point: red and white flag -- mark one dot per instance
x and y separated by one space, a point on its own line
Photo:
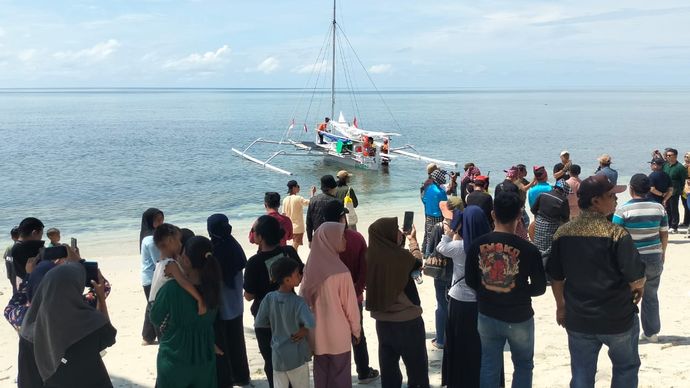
354 122
305 128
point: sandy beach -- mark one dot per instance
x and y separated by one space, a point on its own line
130 364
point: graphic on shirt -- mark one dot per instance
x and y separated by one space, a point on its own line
499 265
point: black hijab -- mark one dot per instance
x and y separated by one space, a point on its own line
226 249
147 223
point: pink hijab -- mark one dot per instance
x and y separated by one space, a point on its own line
324 259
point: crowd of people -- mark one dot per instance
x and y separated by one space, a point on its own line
487 257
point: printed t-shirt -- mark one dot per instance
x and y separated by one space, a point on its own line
285 313
504 260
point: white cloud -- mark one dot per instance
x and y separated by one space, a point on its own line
268 65
380 69
96 53
196 61
26 55
314 67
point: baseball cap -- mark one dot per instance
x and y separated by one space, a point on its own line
455 202
597 185
328 182
565 152
539 171
640 184
343 174
658 161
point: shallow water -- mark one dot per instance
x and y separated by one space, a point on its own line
90 161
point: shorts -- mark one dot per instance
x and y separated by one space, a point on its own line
297 238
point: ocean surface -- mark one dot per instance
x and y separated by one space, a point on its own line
90 161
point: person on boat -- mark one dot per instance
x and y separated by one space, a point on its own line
343 190
385 147
323 127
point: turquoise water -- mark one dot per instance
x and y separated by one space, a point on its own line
93 160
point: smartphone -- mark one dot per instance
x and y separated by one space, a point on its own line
407 223
91 268
73 243
54 253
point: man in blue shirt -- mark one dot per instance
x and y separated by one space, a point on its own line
432 195
605 168
542 185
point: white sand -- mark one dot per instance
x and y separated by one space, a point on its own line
665 364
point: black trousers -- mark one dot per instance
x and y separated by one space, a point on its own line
462 355
672 210
406 340
232 367
360 351
149 332
263 337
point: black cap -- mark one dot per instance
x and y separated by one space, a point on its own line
658 161
333 211
328 182
597 185
640 184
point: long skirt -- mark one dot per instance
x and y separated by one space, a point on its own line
232 367
462 353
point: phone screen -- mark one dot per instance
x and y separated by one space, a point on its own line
407 223
91 272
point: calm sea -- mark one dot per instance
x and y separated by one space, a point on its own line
90 161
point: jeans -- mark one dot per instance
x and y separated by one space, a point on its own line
360 351
672 210
649 314
494 334
404 340
584 351
441 286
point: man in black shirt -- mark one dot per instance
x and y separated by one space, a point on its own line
315 211
661 189
480 197
597 280
506 271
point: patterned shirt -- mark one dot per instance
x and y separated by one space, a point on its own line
644 219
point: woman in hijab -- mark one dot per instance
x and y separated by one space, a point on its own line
186 356
462 354
150 255
329 292
232 366
394 303
67 334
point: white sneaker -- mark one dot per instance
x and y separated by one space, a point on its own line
651 339
673 231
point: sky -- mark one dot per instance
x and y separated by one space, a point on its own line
402 44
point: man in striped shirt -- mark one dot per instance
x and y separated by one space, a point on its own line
647 222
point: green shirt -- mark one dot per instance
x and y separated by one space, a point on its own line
678 174
186 355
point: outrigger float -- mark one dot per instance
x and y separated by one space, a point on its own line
339 141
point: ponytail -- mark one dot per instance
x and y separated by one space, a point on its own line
199 251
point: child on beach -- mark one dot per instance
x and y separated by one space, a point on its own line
289 318
168 240
53 235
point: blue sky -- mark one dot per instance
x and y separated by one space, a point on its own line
421 44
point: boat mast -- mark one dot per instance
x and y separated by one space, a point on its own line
333 69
